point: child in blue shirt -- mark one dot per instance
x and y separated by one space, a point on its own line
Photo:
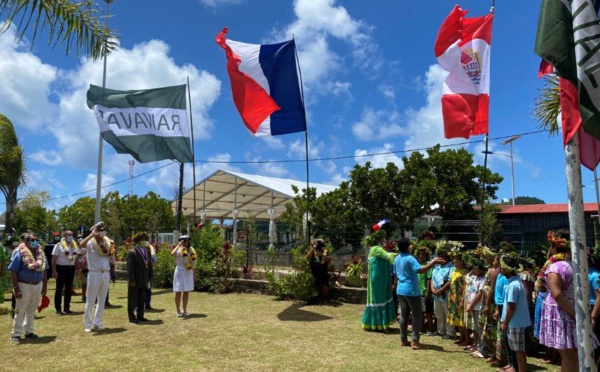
515 313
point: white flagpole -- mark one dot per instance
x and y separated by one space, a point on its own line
100 141
579 256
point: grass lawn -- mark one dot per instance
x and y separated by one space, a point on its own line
232 332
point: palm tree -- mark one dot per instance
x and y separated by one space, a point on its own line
547 105
12 168
73 24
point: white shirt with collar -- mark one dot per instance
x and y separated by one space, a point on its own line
96 262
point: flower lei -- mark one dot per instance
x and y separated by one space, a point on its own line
103 249
38 263
190 257
69 249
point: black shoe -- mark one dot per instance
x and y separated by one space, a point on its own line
31 335
68 312
142 319
149 307
133 321
108 304
59 312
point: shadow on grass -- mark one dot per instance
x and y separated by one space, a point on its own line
436 348
40 340
194 316
295 313
109 331
162 291
113 307
155 311
532 367
152 322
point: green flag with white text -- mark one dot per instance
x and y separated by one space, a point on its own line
568 37
150 124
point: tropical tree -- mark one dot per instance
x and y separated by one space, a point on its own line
12 168
547 105
74 24
445 182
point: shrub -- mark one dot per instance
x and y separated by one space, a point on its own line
354 271
297 285
164 267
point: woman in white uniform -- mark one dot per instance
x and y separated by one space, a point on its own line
185 275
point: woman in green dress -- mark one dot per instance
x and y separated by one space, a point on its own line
380 311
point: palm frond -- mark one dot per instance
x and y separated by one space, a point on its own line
547 105
75 25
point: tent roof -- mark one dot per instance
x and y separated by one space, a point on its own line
224 191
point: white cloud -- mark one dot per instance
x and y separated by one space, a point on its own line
24 85
42 180
90 184
377 124
217 3
381 160
426 126
297 149
316 22
47 157
146 65
387 91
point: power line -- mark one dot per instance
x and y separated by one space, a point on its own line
301 161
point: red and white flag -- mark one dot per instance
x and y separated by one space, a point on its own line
463 49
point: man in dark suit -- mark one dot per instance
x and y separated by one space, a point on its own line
139 270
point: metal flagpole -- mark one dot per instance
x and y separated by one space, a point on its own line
579 256
179 201
306 149
483 183
193 150
100 141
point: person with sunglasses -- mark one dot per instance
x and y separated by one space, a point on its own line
29 279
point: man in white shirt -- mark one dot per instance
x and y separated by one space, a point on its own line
99 256
63 270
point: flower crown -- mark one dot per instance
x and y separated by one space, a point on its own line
555 240
513 255
506 247
374 238
484 252
424 245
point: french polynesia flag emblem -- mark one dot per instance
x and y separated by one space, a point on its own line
379 224
463 49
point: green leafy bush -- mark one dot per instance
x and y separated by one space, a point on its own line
164 267
297 285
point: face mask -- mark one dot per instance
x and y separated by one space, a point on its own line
57 238
15 244
79 240
144 244
8 237
69 239
102 234
33 244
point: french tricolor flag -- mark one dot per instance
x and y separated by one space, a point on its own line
265 86
463 49
379 225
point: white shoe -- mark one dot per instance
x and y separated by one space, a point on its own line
99 327
185 313
179 315
88 329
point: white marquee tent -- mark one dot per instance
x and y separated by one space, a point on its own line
231 195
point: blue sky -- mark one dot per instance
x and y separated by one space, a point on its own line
371 85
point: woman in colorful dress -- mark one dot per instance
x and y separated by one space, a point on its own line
557 320
185 273
380 312
456 297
